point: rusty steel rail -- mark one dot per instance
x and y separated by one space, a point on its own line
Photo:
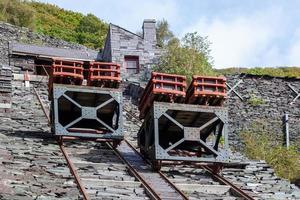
64 152
238 191
141 172
161 174
173 185
148 188
42 105
73 170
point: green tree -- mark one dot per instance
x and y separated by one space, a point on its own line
89 24
90 31
163 33
198 43
188 57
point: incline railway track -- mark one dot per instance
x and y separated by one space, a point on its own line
237 191
157 185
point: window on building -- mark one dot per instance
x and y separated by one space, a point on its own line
132 64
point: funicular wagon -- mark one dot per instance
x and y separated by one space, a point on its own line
86 100
183 126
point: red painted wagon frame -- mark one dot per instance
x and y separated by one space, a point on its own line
104 74
211 89
63 71
156 89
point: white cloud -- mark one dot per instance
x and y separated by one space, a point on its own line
130 14
294 50
244 41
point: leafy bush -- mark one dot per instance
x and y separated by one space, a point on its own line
188 57
89 31
70 26
259 145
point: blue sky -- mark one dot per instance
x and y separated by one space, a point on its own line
246 33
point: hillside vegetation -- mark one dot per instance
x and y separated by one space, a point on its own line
259 146
51 20
277 72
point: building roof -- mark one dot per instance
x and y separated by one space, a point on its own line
119 27
42 51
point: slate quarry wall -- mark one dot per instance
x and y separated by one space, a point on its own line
265 102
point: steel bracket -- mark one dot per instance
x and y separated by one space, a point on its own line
296 92
232 89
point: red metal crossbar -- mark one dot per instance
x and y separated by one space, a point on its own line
207 90
65 72
104 74
162 87
67 69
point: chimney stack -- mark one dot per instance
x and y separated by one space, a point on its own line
149 30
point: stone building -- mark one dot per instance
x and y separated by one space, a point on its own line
33 58
135 53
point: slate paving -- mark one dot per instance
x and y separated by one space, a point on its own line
102 173
33 167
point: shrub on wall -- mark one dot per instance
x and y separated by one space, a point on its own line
262 71
255 101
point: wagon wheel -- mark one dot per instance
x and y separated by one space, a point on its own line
116 143
156 165
217 167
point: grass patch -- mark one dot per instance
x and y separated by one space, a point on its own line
260 146
255 101
291 72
